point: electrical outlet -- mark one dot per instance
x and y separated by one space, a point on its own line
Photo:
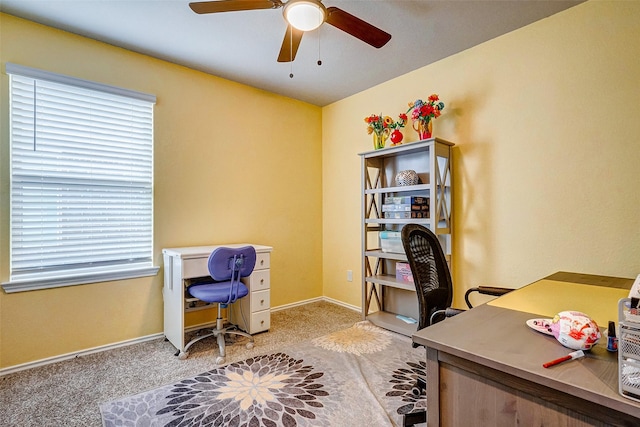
349 275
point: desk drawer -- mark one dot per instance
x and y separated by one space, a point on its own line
260 321
262 261
198 267
259 280
260 300
195 267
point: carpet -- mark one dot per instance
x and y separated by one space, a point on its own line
362 375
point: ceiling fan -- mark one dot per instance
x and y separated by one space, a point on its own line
301 16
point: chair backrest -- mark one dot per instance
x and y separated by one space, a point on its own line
231 263
429 269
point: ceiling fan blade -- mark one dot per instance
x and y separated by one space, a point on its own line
357 27
290 44
232 5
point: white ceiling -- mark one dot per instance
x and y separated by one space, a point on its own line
243 46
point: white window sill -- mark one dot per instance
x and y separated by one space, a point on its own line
37 283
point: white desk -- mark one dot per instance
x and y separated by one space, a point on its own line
182 265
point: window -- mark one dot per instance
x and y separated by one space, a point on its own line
81 181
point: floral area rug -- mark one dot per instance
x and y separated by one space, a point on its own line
361 376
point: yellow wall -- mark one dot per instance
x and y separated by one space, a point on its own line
545 121
232 164
547 155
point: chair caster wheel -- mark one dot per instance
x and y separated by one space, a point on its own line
219 360
249 345
183 355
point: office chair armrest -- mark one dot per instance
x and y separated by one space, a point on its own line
485 290
492 290
447 312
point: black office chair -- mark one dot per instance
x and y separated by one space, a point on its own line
434 288
431 276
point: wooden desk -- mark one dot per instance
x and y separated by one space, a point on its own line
484 366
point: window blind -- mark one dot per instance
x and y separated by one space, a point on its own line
81 180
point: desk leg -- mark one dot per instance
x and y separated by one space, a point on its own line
173 295
433 388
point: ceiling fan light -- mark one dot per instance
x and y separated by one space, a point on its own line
305 15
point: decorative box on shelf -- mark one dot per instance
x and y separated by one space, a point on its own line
404 207
410 200
406 215
403 272
391 245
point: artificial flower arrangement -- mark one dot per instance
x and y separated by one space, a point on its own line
384 126
396 135
422 114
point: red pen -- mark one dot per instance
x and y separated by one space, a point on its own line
575 355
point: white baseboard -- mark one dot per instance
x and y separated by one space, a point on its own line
296 304
312 300
55 359
342 304
60 358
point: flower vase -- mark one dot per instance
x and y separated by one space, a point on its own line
380 139
424 128
396 137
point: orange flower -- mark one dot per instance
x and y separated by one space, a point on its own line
378 123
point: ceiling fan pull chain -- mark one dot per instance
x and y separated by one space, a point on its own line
291 50
319 60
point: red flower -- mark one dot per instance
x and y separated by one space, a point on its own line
426 111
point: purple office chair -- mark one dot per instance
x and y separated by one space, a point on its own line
226 267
